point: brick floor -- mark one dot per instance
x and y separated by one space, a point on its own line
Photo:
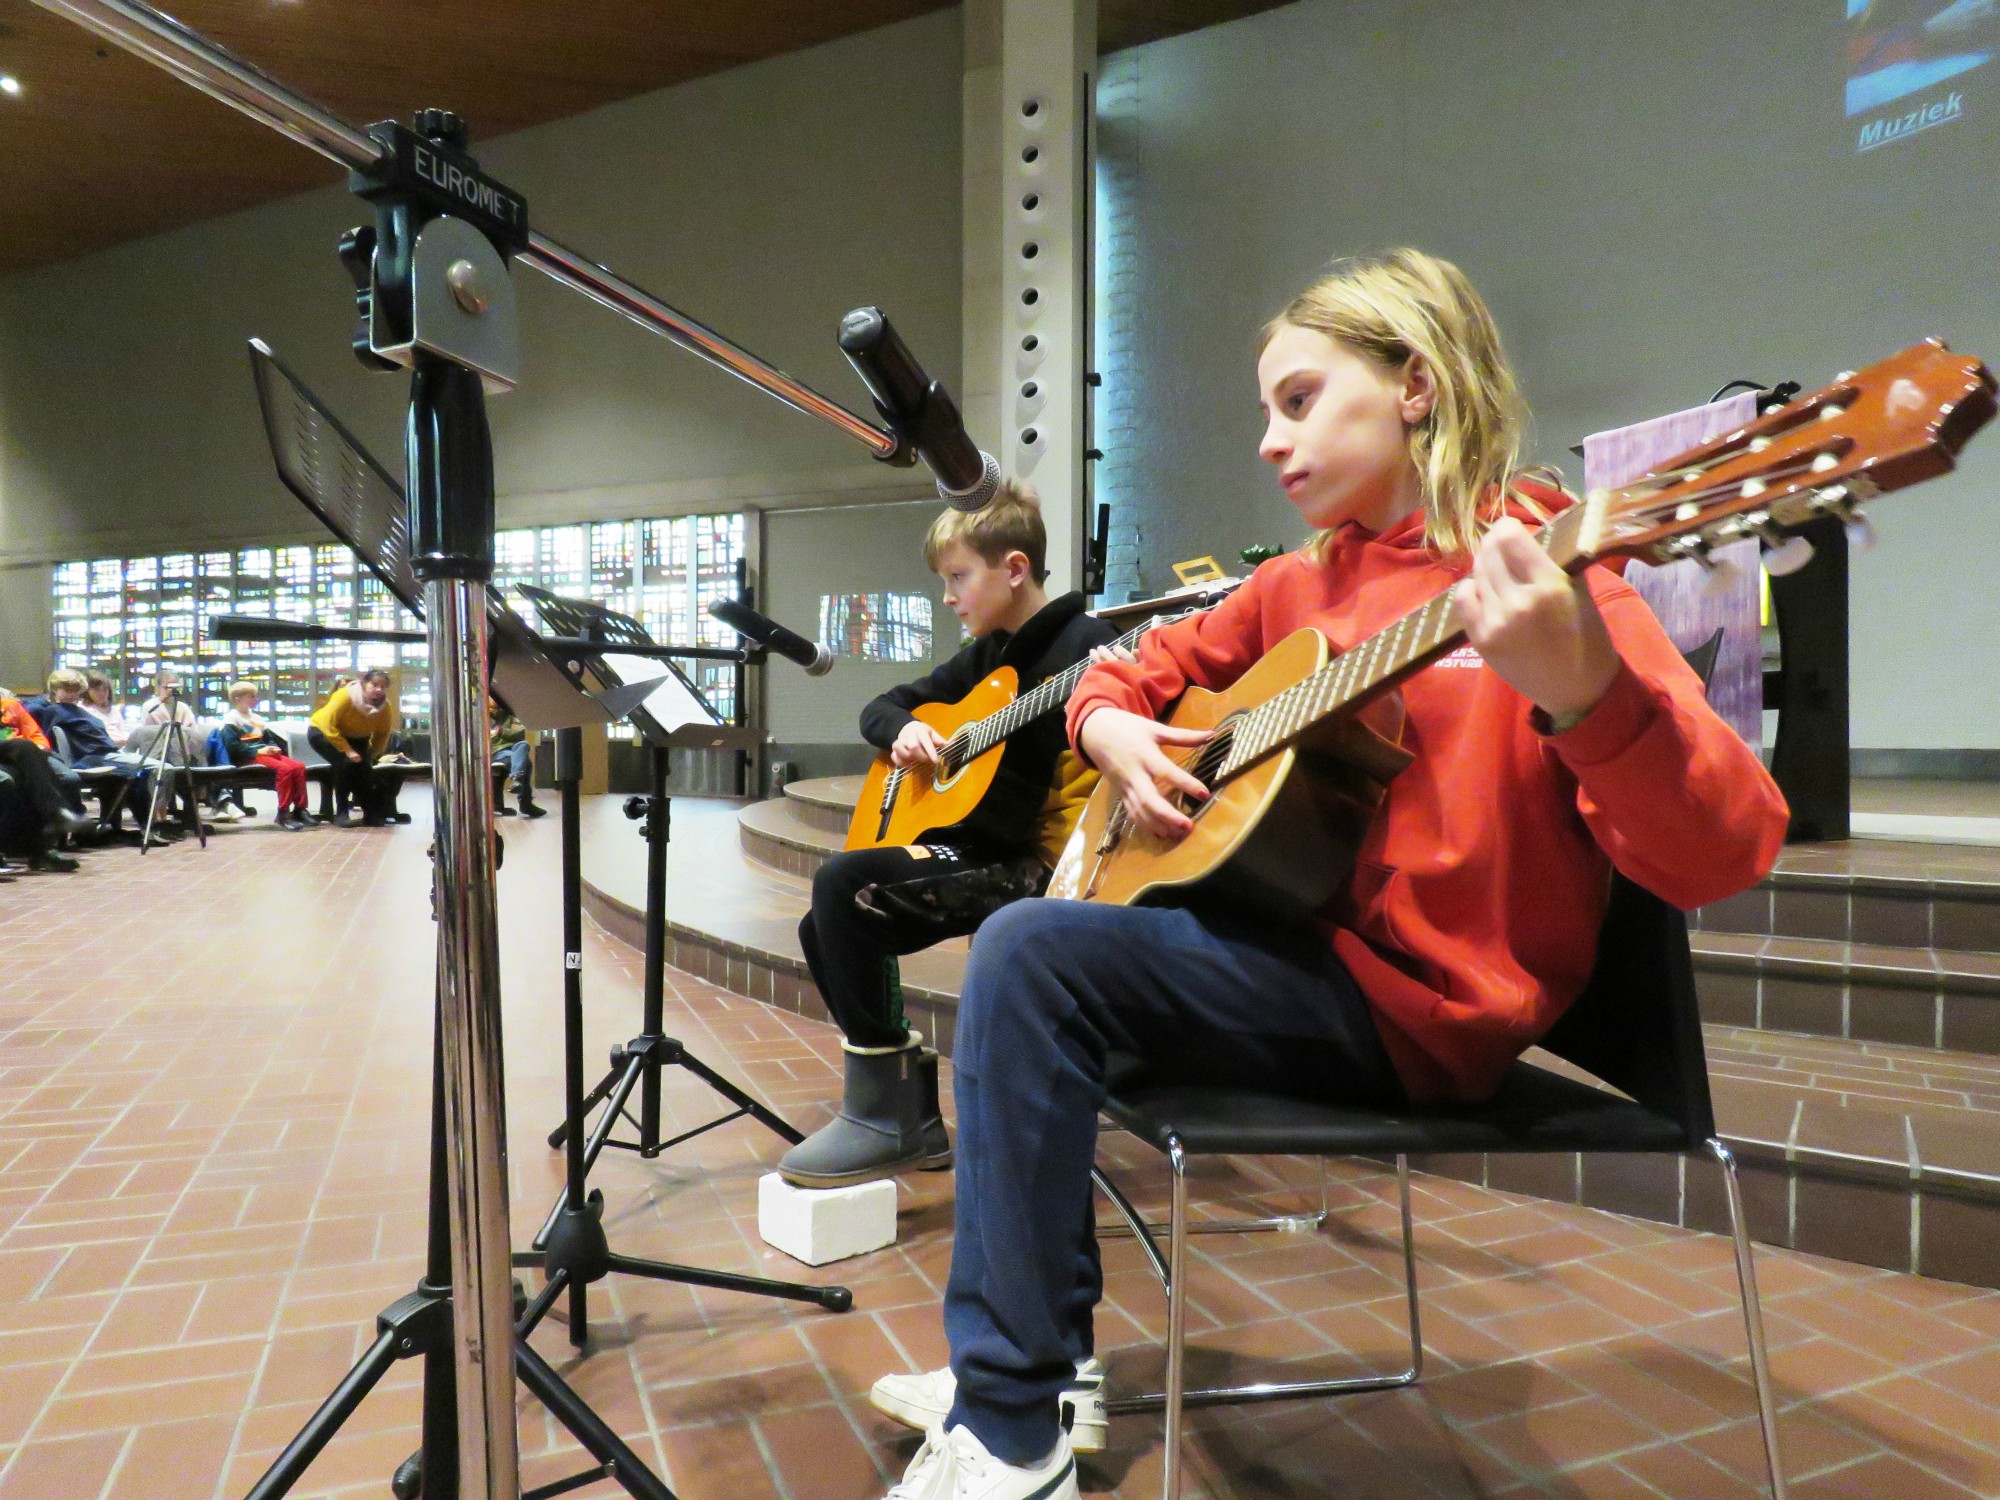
213 1073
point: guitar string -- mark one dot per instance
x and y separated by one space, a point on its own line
1284 714
970 741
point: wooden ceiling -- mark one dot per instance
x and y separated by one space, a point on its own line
100 148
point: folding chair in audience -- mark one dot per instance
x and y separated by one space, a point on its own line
1635 1028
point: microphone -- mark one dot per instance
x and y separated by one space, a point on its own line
767 632
259 628
919 410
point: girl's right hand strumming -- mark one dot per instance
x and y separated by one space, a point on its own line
1129 752
917 745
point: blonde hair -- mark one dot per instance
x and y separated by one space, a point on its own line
238 689
1402 304
1010 522
66 680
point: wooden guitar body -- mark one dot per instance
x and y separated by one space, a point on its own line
899 807
1281 836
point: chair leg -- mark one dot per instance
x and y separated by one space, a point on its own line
1176 1317
1172 1271
1135 1223
1410 1275
1753 1317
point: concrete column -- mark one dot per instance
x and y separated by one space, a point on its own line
979 227
1029 73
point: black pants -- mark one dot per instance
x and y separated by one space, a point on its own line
355 784
35 779
852 954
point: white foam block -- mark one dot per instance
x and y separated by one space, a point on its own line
817 1225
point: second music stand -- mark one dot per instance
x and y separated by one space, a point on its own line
669 715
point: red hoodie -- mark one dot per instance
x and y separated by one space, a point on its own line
1472 919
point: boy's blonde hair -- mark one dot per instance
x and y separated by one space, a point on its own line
1010 522
238 689
66 680
1392 306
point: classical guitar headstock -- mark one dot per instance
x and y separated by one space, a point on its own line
1893 424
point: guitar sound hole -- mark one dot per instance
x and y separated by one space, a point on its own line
1206 766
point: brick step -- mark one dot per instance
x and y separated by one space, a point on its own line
782 834
1867 1152
825 801
1863 992
1875 892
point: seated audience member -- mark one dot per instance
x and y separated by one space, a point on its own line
61 707
97 702
512 749
26 719
16 720
168 706
251 741
351 732
24 755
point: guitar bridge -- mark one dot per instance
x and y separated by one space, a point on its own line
889 790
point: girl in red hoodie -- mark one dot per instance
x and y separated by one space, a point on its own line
1566 739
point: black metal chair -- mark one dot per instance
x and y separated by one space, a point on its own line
1635 1027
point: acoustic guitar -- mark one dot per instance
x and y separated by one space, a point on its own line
900 806
1304 744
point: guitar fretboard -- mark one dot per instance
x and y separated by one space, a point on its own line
1425 632
976 738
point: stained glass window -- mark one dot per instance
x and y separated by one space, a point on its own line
128 617
877 627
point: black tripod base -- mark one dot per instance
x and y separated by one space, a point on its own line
571 1249
420 1325
630 1065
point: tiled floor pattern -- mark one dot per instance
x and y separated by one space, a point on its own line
212 1119
1857 1072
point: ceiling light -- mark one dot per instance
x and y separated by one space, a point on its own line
10 85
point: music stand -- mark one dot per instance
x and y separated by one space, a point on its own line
671 716
352 495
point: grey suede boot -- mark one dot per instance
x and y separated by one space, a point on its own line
937 1144
879 1131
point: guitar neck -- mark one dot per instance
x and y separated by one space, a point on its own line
1384 658
1420 636
976 738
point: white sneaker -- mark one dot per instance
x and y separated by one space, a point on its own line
956 1466
923 1402
227 812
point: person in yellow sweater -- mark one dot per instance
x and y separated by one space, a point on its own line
351 732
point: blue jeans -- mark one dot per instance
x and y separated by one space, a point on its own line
518 758
1053 988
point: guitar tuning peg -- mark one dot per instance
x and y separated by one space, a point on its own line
1788 556
1860 533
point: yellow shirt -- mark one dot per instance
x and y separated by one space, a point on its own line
341 720
1075 780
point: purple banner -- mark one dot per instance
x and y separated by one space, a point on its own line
1692 603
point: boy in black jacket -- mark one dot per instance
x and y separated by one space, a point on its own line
992 564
